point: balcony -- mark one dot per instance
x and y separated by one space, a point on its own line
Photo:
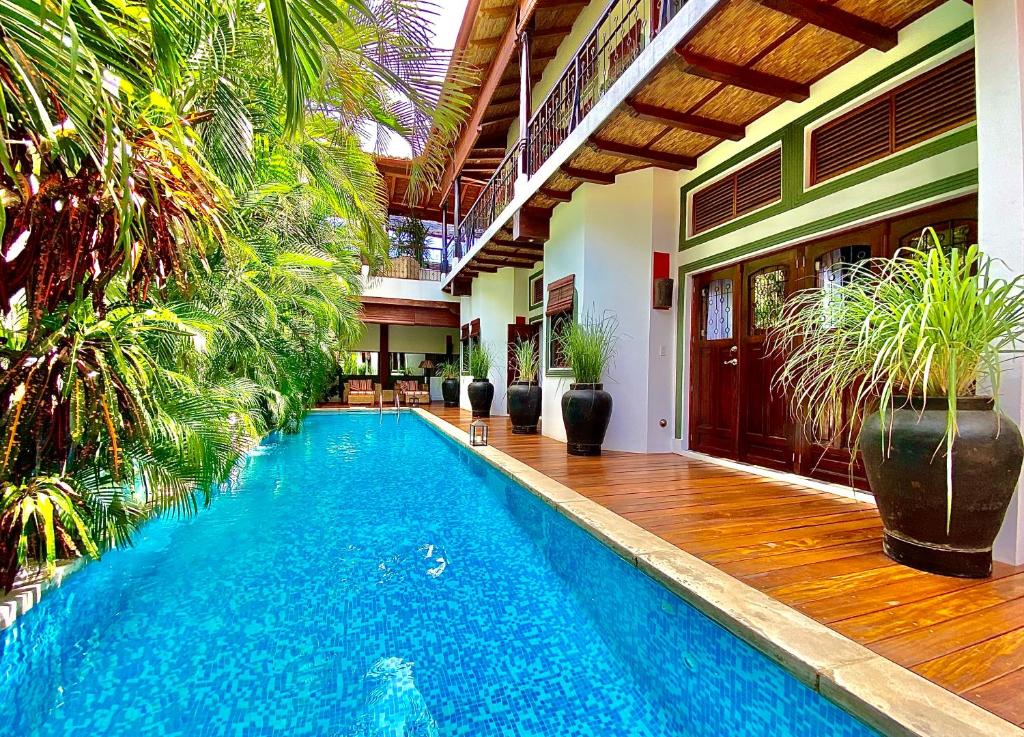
425 265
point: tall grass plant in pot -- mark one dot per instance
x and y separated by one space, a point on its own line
450 385
588 346
901 359
481 390
524 395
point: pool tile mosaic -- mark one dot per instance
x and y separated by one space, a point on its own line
369 578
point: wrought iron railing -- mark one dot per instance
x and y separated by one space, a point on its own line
493 198
625 29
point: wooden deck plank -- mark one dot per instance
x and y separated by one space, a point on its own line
817 552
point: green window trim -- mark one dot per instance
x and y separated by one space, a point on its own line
550 370
539 274
792 139
952 186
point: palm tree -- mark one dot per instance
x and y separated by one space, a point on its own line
184 220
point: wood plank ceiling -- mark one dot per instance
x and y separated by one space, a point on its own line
746 58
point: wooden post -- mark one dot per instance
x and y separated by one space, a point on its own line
383 357
525 100
458 216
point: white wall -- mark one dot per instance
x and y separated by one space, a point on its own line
496 301
404 288
420 339
606 236
999 27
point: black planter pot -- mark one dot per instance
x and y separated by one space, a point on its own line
524 406
586 412
909 483
481 394
450 392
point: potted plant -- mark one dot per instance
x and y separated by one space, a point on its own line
588 347
481 390
904 345
524 395
449 373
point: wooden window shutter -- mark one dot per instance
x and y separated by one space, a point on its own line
474 328
938 101
760 183
465 331
561 295
925 106
755 185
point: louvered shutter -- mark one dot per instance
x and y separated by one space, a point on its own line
755 185
925 106
941 100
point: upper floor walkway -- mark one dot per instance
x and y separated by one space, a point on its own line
630 84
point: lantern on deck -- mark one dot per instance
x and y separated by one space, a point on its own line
478 433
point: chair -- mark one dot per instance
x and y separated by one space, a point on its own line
361 391
411 391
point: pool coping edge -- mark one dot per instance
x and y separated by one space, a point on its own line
883 694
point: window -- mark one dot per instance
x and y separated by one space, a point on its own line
561 302
749 188
767 298
470 340
926 106
536 290
951 234
835 269
716 310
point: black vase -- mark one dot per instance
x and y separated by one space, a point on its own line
481 394
908 479
450 392
586 412
524 406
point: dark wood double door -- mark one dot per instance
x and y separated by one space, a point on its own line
735 412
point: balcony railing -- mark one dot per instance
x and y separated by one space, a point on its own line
428 266
625 29
493 198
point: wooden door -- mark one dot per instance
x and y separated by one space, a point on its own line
714 402
766 435
826 264
516 333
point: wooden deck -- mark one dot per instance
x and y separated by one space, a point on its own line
817 552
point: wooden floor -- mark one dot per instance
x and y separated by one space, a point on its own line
817 552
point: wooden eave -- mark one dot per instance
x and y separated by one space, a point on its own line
746 58
424 313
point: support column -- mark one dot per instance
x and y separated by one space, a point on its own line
383 358
458 216
999 56
525 101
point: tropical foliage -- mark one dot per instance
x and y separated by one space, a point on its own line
449 370
929 323
480 362
525 360
589 346
185 218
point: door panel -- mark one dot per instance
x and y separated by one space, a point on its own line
765 431
828 264
713 389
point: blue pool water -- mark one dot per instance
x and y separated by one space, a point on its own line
369 578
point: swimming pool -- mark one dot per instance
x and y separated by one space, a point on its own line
369 578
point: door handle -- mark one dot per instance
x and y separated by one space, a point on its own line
733 349
731 362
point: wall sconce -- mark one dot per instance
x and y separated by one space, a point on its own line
663 293
478 433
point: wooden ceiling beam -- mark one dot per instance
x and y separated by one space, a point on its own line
685 121
837 21
497 11
588 175
555 194
645 155
498 151
500 261
517 245
552 32
737 76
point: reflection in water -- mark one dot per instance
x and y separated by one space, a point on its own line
393 706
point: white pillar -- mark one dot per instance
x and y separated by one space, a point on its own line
999 39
